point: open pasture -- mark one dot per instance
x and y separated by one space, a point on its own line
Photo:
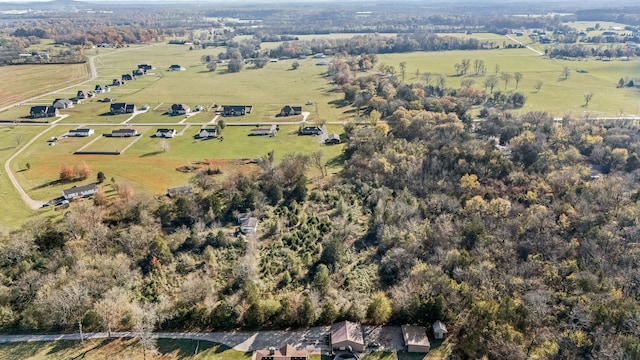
557 95
100 142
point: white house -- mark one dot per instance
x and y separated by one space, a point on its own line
80 132
80 191
166 133
270 131
207 133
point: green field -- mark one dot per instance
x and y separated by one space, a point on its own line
119 349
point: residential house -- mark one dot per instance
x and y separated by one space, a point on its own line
236 110
415 338
319 56
118 82
80 132
80 191
205 133
145 67
124 132
84 94
178 109
139 72
347 335
176 67
43 112
291 110
310 130
332 139
270 131
439 330
130 108
322 63
179 190
166 133
118 108
250 225
128 77
62 103
287 352
99 89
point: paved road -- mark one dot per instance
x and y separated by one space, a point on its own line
527 46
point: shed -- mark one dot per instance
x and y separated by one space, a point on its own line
439 330
415 338
250 225
347 335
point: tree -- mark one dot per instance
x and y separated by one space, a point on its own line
321 279
403 69
306 313
566 72
66 173
28 166
587 98
506 77
295 65
259 63
163 144
467 83
146 318
235 65
379 310
497 69
517 77
537 85
101 177
212 65
112 308
490 82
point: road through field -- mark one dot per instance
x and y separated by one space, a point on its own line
527 46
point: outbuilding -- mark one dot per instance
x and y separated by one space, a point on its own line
415 338
347 335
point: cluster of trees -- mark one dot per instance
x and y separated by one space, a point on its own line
583 51
70 173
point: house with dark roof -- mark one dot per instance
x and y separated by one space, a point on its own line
205 133
178 109
288 110
265 131
43 112
250 225
166 133
62 103
124 132
118 82
176 67
347 335
139 72
415 338
145 67
128 77
99 89
287 352
84 94
332 139
80 191
122 108
236 110
310 130
81 132
130 108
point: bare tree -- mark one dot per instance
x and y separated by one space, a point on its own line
538 85
506 77
490 82
403 69
517 77
566 72
164 145
146 318
427 78
587 98
112 308
316 157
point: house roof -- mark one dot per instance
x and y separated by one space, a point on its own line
124 131
415 335
165 130
117 106
81 130
178 107
250 222
346 331
79 189
209 130
287 352
186 189
63 100
438 326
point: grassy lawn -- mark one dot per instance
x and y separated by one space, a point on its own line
380 355
119 349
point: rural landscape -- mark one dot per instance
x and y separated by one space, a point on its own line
320 180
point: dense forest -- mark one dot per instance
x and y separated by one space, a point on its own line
520 232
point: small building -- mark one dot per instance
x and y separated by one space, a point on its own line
139 72
270 131
287 352
81 132
43 112
310 130
145 67
166 133
439 330
100 89
178 109
205 133
84 94
118 108
236 110
179 190
128 77
130 108
62 103
347 335
118 82
176 67
322 63
319 56
291 110
80 191
415 338
124 132
250 225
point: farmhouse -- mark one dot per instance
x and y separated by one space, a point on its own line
80 132
80 191
236 110
178 109
179 190
124 133
84 94
176 67
166 133
439 330
43 111
250 225
291 110
99 89
286 352
347 335
310 130
207 133
270 131
128 77
62 103
415 338
118 108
